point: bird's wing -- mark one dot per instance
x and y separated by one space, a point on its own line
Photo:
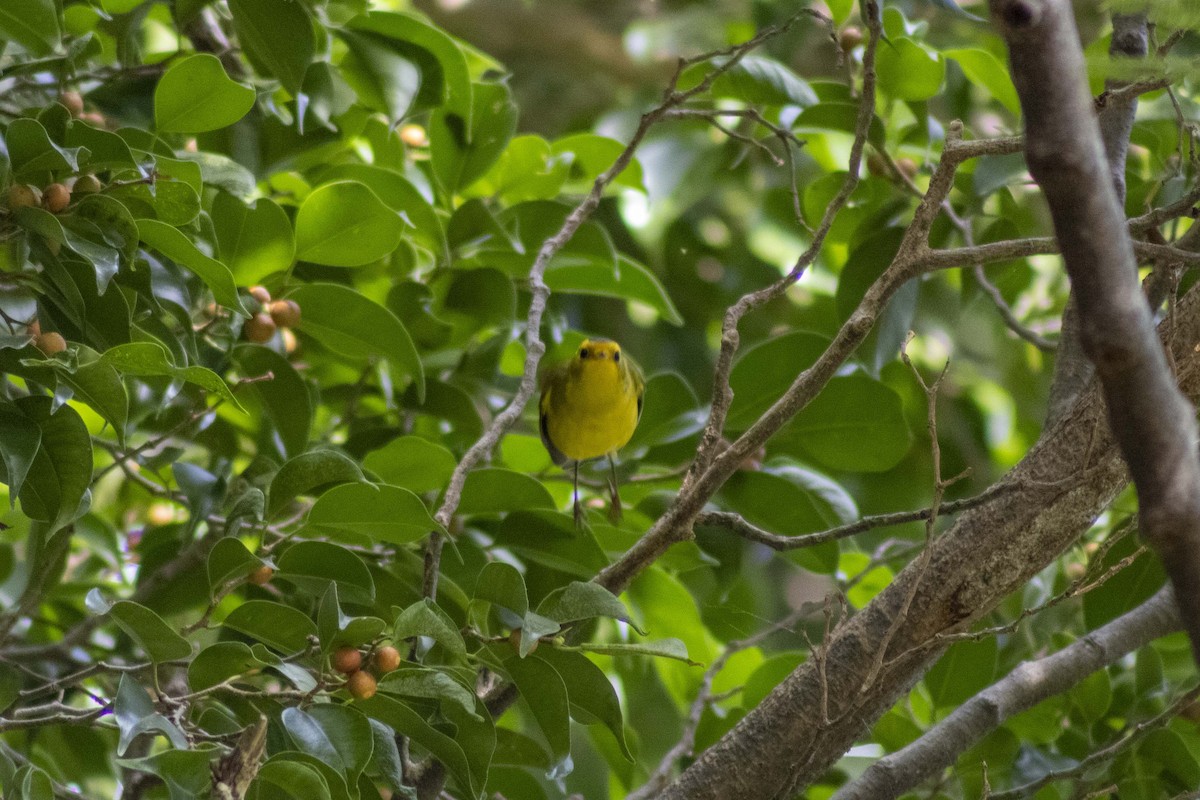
548 381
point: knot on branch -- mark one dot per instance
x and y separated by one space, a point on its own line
1018 13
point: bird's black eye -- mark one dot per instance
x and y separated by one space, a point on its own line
616 357
583 352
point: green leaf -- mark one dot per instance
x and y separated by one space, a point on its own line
135 715
151 358
590 692
984 69
966 668
446 84
502 584
584 600
173 244
907 72
106 260
309 736
219 662
278 626
671 412
1128 588
293 778
31 151
195 95
545 693
551 539
156 637
426 618
275 36
399 194
185 773
760 80
526 170
310 471
385 77
255 239
32 23
631 281
765 371
673 649
417 464
313 565
855 424
284 397
837 116
404 720
791 501
344 224
493 490
430 684
376 512
229 559
56 484
590 155
20 440
338 735
350 324
464 148
98 384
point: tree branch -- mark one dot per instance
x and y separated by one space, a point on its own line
1153 423
1022 689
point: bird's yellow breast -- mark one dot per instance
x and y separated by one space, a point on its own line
593 412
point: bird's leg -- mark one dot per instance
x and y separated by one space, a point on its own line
614 506
578 509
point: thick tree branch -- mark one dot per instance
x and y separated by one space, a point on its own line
1154 425
1118 107
1022 689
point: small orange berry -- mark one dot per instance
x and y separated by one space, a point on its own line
261 576
361 685
50 343
260 294
286 313
386 659
346 659
259 328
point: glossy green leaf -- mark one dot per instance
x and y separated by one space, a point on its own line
348 323
430 684
966 668
375 512
55 489
174 245
760 80
150 359
417 464
841 117
219 662
284 398
229 559
590 693
855 424
672 649
33 23
31 151
404 720
907 71
764 372
135 715
984 69
464 148
255 239
281 627
447 82
399 194
386 78
631 281
580 600
426 618
314 564
590 155
1125 590
276 36
293 778
20 440
310 471
545 693
502 584
195 95
159 640
344 224
494 490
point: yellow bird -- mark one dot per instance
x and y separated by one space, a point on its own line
589 408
